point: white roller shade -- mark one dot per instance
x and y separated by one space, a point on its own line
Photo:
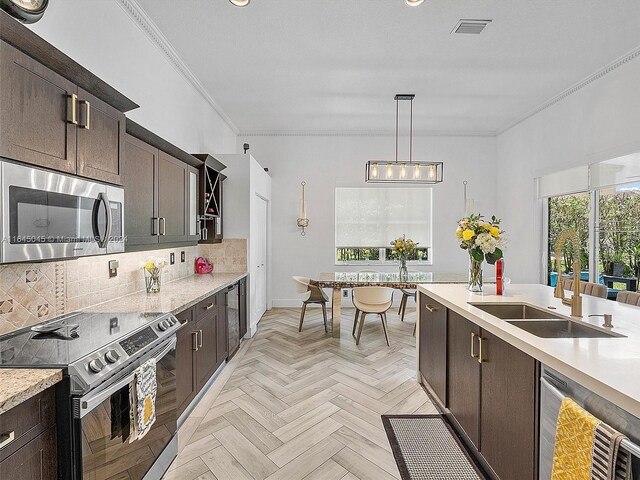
373 216
617 171
573 180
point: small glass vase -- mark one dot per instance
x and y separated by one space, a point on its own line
475 275
404 273
152 280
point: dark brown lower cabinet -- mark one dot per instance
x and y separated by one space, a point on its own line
464 375
186 381
433 345
207 353
508 439
32 452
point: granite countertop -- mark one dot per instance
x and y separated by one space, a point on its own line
609 366
173 297
20 384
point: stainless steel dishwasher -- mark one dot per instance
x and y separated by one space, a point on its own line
554 387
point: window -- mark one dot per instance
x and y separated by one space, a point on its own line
369 218
605 214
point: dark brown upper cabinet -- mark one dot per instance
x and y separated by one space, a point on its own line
100 140
159 196
50 122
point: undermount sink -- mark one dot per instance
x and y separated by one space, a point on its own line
542 322
515 311
561 329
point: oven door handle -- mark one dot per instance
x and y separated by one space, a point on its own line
92 400
102 197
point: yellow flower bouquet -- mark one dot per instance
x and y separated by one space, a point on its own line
152 272
402 248
484 241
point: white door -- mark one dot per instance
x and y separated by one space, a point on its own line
261 257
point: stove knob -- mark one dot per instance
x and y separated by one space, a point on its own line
163 325
96 365
111 356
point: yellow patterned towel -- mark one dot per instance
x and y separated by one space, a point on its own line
575 436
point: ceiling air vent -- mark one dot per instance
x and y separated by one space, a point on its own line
474 27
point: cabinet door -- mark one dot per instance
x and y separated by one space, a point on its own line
242 306
193 223
139 167
218 221
508 420
38 459
223 340
464 374
433 345
100 138
187 343
173 199
207 354
36 113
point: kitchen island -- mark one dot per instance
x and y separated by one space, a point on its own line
480 357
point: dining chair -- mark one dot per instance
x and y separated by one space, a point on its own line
357 313
312 294
629 298
368 300
586 288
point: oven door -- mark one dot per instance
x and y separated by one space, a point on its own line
47 215
104 444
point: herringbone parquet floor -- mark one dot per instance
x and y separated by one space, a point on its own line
304 405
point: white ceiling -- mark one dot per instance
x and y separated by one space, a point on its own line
334 65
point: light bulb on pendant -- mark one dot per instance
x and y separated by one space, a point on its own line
403 170
374 170
389 170
416 172
432 172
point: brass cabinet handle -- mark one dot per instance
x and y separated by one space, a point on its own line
72 111
473 337
210 306
480 360
163 226
431 308
194 344
85 114
7 438
200 345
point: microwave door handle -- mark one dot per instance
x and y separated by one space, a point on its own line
92 400
102 197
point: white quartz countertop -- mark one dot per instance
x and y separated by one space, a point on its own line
173 297
608 366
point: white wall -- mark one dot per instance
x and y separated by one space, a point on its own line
325 162
102 37
598 122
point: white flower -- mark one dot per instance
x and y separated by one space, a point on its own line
486 242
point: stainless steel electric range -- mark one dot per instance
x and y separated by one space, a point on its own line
98 353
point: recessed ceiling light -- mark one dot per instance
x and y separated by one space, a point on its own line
413 3
240 3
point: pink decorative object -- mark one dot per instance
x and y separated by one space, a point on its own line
203 266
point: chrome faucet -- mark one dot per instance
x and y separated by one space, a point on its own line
576 300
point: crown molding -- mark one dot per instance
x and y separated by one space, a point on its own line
633 54
362 133
144 22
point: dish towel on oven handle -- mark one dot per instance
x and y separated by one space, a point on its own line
144 388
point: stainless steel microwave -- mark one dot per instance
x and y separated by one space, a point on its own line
47 215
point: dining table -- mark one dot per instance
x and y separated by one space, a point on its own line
337 281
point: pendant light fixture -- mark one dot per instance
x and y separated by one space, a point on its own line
404 171
240 3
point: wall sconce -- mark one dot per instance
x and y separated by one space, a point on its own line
303 221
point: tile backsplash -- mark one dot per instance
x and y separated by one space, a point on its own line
34 292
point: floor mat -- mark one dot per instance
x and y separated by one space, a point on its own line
426 448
